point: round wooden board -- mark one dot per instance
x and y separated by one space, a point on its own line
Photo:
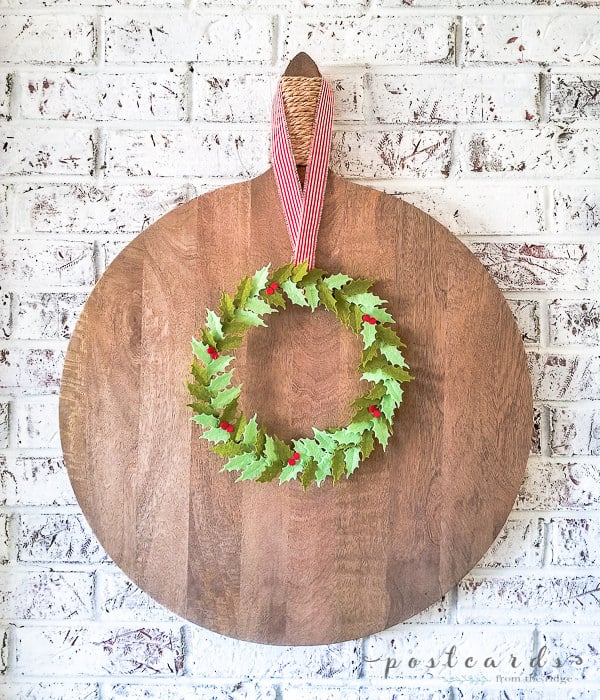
271 563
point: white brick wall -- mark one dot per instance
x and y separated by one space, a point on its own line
484 113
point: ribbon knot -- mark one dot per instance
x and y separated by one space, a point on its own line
302 206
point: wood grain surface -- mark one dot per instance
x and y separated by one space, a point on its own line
271 563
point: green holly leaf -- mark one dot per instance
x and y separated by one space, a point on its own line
281 274
356 322
208 338
381 430
259 306
359 426
308 473
202 407
214 324
326 296
242 292
367 301
394 389
241 461
357 286
277 299
294 293
370 398
368 333
199 391
236 327
312 296
381 315
344 436
393 355
387 406
259 280
270 473
324 440
199 373
352 459
219 365
206 421
200 350
271 450
312 277
226 307
309 448
336 281
387 336
343 310
229 449
239 428
397 373
253 470
216 435
290 472
231 342
259 445
229 412
377 376
251 432
367 444
219 383
338 464
300 271
323 469
226 397
249 318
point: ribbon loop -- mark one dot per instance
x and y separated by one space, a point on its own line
302 206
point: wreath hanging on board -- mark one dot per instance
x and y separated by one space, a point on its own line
245 445
334 452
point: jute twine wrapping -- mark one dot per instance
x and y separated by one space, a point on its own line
300 96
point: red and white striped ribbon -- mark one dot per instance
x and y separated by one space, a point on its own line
302 206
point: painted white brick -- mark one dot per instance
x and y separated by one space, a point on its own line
519 543
5 86
450 649
35 481
3 650
529 598
111 249
57 537
573 654
465 96
47 263
95 209
222 97
105 96
549 691
527 316
98 651
3 208
554 485
241 690
385 153
372 39
40 315
434 614
574 96
336 661
371 692
538 38
577 210
565 377
574 322
4 424
171 152
36 370
5 315
576 542
48 691
536 436
48 38
37 595
37 423
45 150
552 267
189 37
547 151
5 523
120 599
482 210
575 430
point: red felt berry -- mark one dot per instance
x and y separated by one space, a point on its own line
211 351
372 320
223 424
366 318
296 456
291 461
372 409
274 285
230 428
215 356
270 290
376 413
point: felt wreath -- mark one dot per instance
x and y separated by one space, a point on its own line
333 452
